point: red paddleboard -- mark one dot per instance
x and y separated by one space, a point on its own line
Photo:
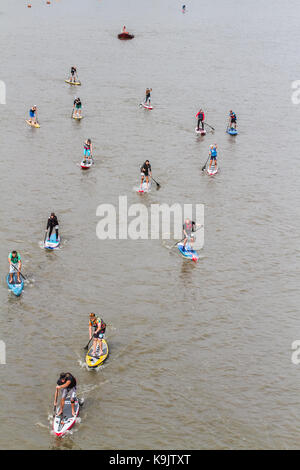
147 106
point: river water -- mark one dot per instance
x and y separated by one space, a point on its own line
200 354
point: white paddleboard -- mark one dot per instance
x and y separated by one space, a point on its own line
200 131
62 424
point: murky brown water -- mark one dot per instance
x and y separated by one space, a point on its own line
200 354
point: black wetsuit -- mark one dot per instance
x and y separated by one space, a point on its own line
51 224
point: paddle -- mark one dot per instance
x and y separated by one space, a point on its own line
19 272
46 231
55 403
87 346
204 166
184 238
209 126
157 184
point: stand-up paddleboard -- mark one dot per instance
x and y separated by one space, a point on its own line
52 243
231 131
143 188
213 170
62 424
86 164
125 36
73 83
200 131
16 287
77 117
32 124
93 361
188 252
147 106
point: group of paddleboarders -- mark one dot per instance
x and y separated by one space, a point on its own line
67 383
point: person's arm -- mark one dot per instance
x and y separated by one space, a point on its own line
90 330
58 387
9 258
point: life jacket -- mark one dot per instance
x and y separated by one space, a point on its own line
102 323
87 146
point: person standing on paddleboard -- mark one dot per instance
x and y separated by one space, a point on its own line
188 227
73 77
146 172
232 119
99 331
213 155
77 106
148 96
33 115
200 116
88 150
15 265
52 224
67 383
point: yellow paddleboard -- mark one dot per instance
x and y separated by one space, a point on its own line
72 83
32 124
77 117
97 361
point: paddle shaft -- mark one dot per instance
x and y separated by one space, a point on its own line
209 126
19 272
87 346
204 166
158 185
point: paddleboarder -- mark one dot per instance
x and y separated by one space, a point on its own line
67 384
77 106
73 77
99 331
232 120
124 31
52 223
33 115
148 96
213 153
200 116
88 150
15 265
146 172
188 227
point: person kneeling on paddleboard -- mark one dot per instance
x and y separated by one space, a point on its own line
67 383
77 107
188 227
73 77
33 115
232 119
148 96
200 115
99 331
123 30
52 224
145 173
15 265
213 155
87 150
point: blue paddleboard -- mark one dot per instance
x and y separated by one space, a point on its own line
51 244
231 131
188 253
15 287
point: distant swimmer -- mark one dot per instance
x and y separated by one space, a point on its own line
99 331
148 96
67 385
213 155
15 265
33 115
145 173
77 106
200 116
232 120
88 150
